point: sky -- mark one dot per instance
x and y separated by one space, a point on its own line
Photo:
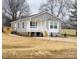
35 5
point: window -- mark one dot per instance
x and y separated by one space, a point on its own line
18 25
33 24
55 25
51 24
22 24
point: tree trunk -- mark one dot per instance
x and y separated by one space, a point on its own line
13 18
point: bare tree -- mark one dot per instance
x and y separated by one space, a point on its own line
58 7
44 7
49 6
52 4
16 8
62 6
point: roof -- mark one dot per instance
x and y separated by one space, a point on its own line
35 15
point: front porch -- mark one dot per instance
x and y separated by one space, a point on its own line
35 34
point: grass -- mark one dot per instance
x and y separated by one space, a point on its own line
70 32
17 47
42 53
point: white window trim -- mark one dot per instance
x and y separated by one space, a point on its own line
23 25
53 24
34 25
18 25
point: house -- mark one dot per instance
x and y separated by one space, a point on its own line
41 24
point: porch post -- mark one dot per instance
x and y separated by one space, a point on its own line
35 34
29 34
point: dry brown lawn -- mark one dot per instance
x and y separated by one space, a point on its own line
71 32
18 47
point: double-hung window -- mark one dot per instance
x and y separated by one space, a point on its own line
53 25
18 25
33 24
22 24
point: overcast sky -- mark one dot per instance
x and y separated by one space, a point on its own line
35 4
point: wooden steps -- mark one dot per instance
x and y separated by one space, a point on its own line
45 33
